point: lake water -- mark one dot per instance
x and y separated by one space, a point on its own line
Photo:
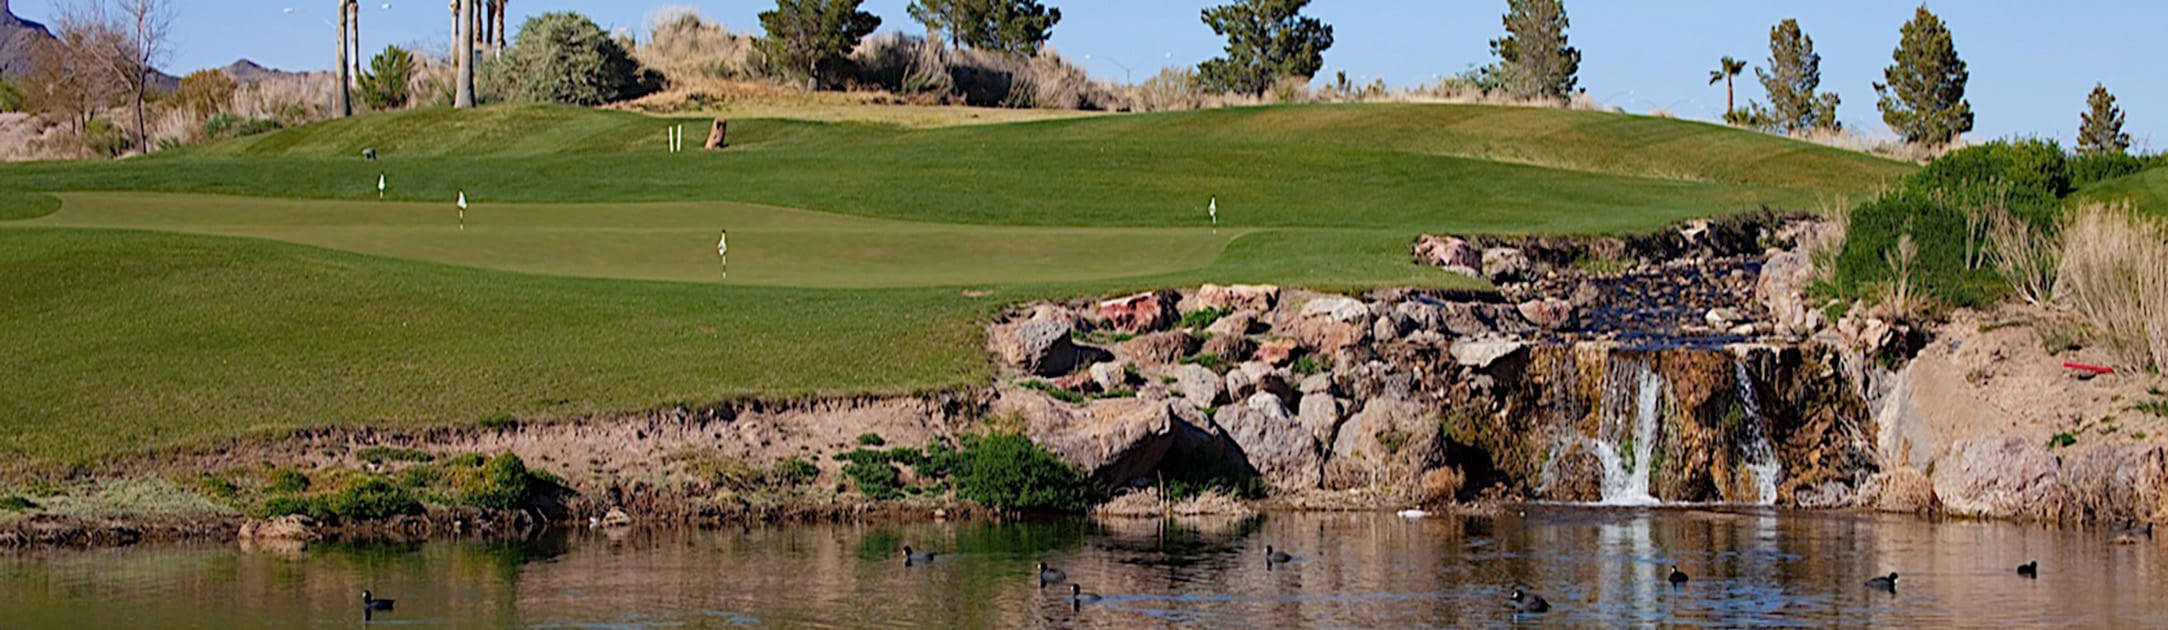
1599 568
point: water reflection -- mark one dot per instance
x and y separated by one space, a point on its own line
1602 568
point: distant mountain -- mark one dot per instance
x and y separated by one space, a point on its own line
246 72
17 35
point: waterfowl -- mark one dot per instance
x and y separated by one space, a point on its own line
1275 556
370 603
1526 602
1051 575
1414 513
2029 569
911 557
1077 594
1677 577
2130 533
1887 583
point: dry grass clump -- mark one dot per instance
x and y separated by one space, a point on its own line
685 47
1892 149
921 70
293 100
2113 274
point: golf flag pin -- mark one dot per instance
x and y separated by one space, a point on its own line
462 211
379 185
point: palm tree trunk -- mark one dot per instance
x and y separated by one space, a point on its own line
463 97
345 95
355 7
1728 95
501 19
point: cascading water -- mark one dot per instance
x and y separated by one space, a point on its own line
1759 455
1626 475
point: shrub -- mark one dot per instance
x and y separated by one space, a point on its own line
1054 391
204 92
217 485
908 65
381 454
223 126
1954 208
683 46
1009 472
796 472
2114 275
1206 360
1305 365
385 86
288 482
504 484
2034 172
871 439
103 138
879 481
565 58
1201 319
2094 168
11 97
499 420
16 503
373 498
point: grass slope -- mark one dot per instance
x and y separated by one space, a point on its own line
2147 190
161 328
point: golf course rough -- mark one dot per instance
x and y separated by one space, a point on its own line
255 287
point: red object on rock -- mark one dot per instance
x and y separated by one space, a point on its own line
2085 367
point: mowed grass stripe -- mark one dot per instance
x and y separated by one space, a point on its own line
671 242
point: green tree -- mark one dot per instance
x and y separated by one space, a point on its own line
1534 58
11 98
1792 78
815 37
1726 69
564 58
1266 41
1014 26
2100 129
1923 93
384 86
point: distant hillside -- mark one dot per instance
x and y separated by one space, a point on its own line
246 72
17 35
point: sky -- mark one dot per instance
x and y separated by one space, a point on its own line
2032 62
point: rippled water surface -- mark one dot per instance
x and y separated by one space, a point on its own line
1599 568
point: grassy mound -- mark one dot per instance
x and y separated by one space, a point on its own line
145 323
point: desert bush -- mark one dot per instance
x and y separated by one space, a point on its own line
102 137
2114 275
1953 205
204 92
371 498
910 65
2034 172
565 58
878 480
2087 169
683 46
503 483
1007 471
225 126
290 101
2026 255
387 83
11 97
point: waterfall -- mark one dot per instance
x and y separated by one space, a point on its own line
1760 456
1626 475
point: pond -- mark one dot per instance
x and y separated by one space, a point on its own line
1597 567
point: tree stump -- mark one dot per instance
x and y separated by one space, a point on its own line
718 138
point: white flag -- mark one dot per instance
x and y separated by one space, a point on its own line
380 183
722 247
462 200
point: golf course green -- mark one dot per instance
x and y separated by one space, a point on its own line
259 286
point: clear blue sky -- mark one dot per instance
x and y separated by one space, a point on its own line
2032 62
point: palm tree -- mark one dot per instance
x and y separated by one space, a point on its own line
496 11
463 54
1727 68
345 94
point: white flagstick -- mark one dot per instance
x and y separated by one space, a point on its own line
722 249
1215 214
462 211
379 186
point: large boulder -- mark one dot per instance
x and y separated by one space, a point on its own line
1143 312
1781 289
1391 442
1199 386
1253 377
1160 348
1278 352
1229 348
1481 354
1111 376
1321 415
1551 314
1235 324
1274 442
1451 253
1039 346
1506 264
1337 309
1241 297
1329 324
1116 441
1998 478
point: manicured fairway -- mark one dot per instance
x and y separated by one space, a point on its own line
258 286
674 242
